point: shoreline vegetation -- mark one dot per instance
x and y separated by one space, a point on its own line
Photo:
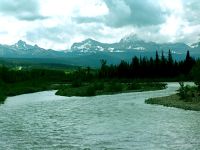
140 74
15 82
77 89
187 98
108 88
175 101
23 88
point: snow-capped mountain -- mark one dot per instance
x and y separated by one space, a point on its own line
23 50
195 48
21 45
89 51
87 46
195 45
127 44
131 39
92 46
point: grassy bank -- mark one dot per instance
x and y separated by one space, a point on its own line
105 88
77 88
176 101
2 98
16 81
2 93
24 88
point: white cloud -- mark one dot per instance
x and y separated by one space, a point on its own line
67 8
57 23
171 26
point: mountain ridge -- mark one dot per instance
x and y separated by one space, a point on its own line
89 51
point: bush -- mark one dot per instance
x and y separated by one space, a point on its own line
183 91
77 83
196 74
90 91
98 86
133 86
2 98
115 87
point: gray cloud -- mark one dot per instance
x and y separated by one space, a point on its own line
87 19
142 17
21 9
52 34
67 34
192 11
129 12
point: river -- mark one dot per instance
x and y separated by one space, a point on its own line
122 121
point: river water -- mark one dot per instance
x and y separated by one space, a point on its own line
123 121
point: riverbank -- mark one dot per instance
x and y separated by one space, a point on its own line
177 102
24 88
107 88
77 89
2 98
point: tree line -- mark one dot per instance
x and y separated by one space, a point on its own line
142 68
159 67
10 76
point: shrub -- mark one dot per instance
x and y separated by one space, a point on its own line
183 91
2 96
133 86
196 74
115 87
98 86
90 91
76 83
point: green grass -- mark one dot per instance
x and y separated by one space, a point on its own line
23 88
191 103
76 89
26 87
2 92
105 88
2 98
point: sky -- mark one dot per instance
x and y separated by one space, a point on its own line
57 24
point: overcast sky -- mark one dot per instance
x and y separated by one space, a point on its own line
57 24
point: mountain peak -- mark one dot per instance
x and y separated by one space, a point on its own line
130 38
36 46
195 45
88 46
21 44
89 40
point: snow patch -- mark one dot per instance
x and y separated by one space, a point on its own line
110 49
195 45
100 48
119 51
140 48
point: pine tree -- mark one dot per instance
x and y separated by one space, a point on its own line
163 58
170 59
134 66
188 63
157 58
188 57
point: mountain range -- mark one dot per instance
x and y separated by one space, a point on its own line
89 52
